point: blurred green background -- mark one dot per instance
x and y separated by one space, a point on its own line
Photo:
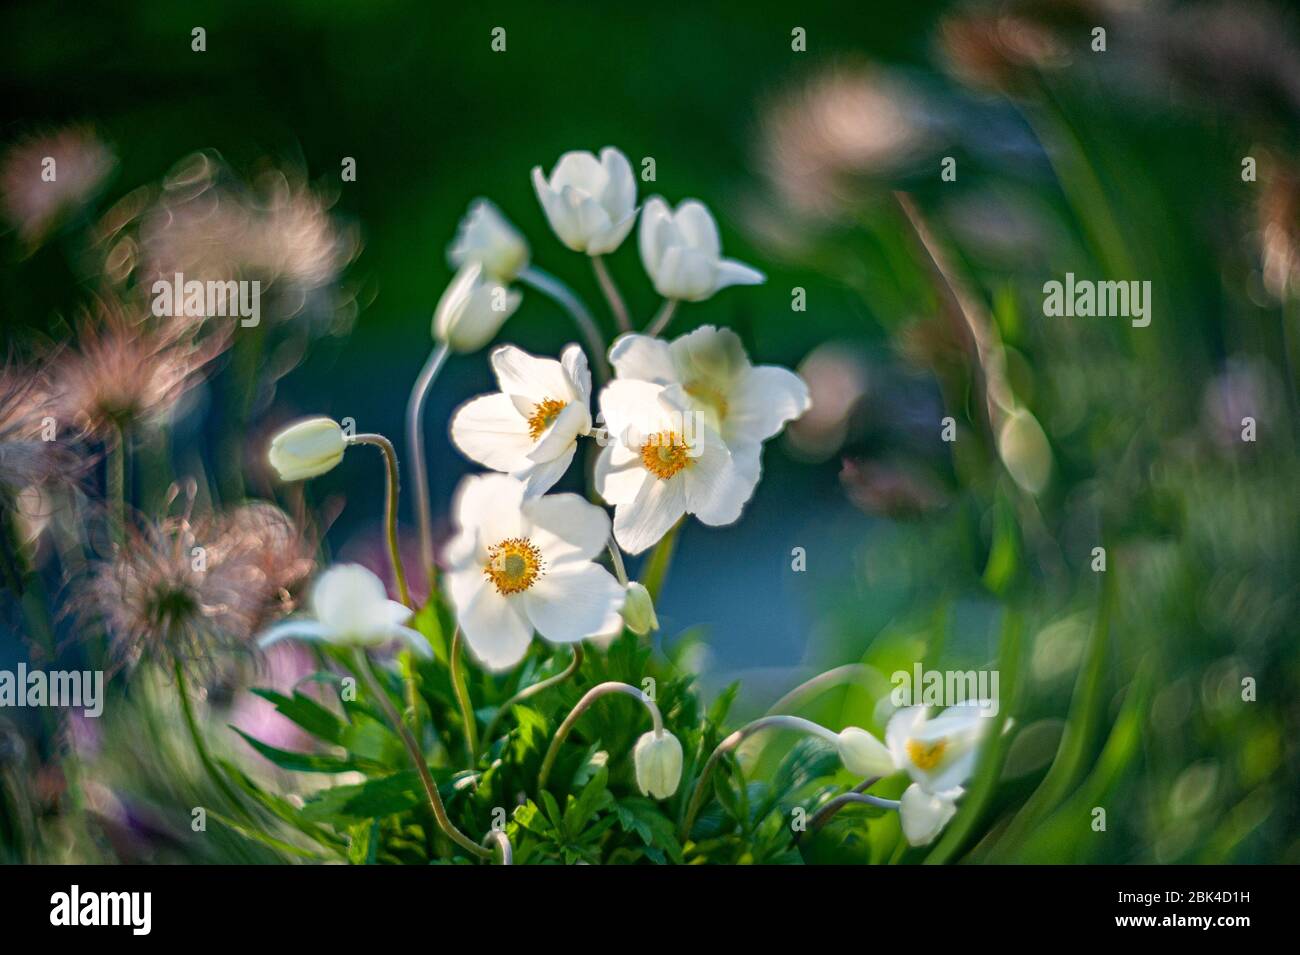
1122 164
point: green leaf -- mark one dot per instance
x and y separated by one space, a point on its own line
300 762
307 713
642 817
591 799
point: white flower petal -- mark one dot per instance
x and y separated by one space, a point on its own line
619 195
716 490
923 815
640 357
763 400
730 272
573 601
620 474
521 374
655 232
293 629
414 639
350 601
698 227
495 627
574 361
687 274
566 528
659 505
581 171
490 430
488 505
540 477
573 420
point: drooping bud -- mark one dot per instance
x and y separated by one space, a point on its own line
639 610
864 755
307 449
473 309
658 759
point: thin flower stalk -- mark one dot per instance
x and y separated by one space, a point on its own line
461 690
200 747
415 448
531 691
505 853
611 293
563 296
796 723
592 695
659 323
362 662
390 509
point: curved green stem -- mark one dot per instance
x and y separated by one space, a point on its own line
855 795
796 723
390 509
563 296
415 449
200 747
362 663
533 690
592 695
616 558
462 697
611 293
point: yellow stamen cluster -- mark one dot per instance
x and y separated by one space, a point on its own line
926 755
543 416
513 565
664 454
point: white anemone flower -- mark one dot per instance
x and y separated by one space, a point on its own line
529 428
682 253
350 608
473 309
746 404
590 202
939 754
517 565
664 461
488 237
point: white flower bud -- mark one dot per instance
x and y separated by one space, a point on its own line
864 755
487 237
473 309
639 610
306 449
658 759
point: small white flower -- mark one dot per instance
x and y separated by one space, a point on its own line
658 761
939 754
487 237
529 428
473 309
639 610
520 565
744 403
864 755
307 448
682 253
923 814
351 608
590 202
662 462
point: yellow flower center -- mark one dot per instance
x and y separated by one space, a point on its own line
664 454
706 394
543 416
513 565
926 755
